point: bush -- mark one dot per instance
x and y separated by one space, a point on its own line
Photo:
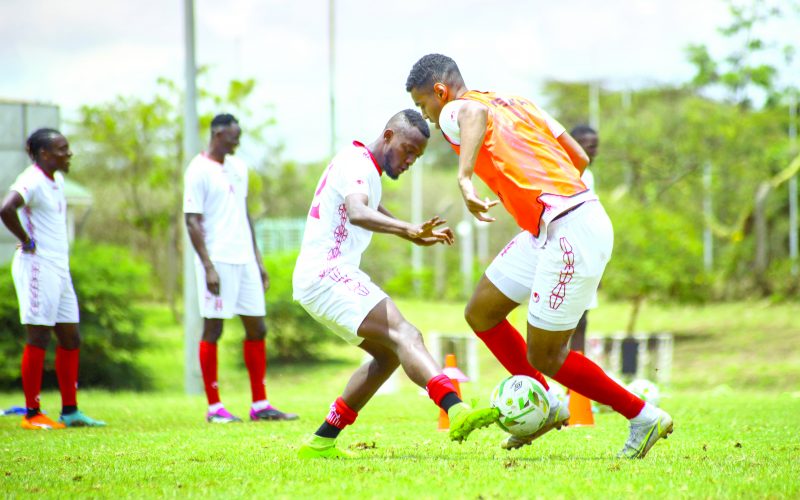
107 280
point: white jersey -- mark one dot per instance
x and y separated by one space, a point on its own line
44 215
219 193
330 240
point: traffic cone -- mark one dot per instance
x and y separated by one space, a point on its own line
580 410
456 375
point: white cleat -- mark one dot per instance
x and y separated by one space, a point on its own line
556 419
644 436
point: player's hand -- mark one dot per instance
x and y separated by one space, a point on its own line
212 280
478 207
444 235
428 230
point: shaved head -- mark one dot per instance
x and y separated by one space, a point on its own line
408 119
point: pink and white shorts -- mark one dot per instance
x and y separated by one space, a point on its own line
45 292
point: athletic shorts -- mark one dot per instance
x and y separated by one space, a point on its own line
341 300
560 279
44 292
241 291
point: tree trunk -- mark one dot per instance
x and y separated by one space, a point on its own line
637 305
762 237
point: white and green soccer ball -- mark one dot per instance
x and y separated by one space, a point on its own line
646 390
523 405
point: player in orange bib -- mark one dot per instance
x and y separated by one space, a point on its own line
534 167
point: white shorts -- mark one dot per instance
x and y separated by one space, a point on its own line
45 292
241 291
341 300
560 279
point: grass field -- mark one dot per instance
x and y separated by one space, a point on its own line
731 439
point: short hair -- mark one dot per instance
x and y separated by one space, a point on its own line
39 140
413 119
223 120
431 69
581 130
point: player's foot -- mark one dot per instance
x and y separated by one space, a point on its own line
321 447
271 413
556 419
464 419
643 436
40 422
221 416
79 419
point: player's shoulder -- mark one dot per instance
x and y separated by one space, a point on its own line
29 176
235 162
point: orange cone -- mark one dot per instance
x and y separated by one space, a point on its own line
580 410
451 370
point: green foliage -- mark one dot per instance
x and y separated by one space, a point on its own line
107 281
293 334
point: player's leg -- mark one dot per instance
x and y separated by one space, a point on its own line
67 361
363 384
578 340
36 339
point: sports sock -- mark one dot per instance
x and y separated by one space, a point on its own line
255 359
442 391
338 418
208 365
260 405
647 415
32 367
583 376
510 349
67 361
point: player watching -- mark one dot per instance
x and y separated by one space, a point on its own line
35 211
328 283
533 166
231 278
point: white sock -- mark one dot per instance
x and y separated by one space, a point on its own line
648 414
552 398
216 406
260 405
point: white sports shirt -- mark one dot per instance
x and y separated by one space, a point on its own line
219 193
44 215
330 240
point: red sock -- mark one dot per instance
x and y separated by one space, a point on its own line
208 365
32 367
510 349
581 375
341 415
439 387
255 358
67 361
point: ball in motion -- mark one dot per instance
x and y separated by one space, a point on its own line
523 405
646 390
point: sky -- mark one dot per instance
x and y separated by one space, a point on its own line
89 51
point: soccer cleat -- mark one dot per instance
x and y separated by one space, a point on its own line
271 413
221 416
556 419
79 419
40 422
321 447
465 419
644 436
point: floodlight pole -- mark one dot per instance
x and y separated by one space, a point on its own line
332 73
192 324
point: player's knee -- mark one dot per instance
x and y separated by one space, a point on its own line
543 360
39 340
409 335
257 332
71 341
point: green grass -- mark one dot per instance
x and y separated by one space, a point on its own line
735 430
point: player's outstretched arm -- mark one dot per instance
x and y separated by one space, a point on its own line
8 212
472 119
361 215
576 153
194 225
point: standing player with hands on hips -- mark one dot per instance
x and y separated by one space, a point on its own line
231 279
35 211
534 167
328 283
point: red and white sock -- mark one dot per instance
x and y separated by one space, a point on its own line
208 366
67 361
255 359
341 415
583 376
32 367
510 349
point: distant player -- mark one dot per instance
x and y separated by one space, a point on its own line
328 283
534 168
35 211
587 137
231 278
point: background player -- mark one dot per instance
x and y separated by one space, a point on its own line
328 283
534 168
35 211
231 278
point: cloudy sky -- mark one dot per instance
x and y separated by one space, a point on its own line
88 51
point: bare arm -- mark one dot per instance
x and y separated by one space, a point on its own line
576 153
381 221
194 224
259 258
472 119
8 212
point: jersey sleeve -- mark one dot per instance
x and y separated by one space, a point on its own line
193 190
448 121
26 186
555 127
353 176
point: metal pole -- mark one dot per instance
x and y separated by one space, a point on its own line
416 218
708 240
793 184
332 72
192 324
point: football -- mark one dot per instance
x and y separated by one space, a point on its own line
523 405
646 390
